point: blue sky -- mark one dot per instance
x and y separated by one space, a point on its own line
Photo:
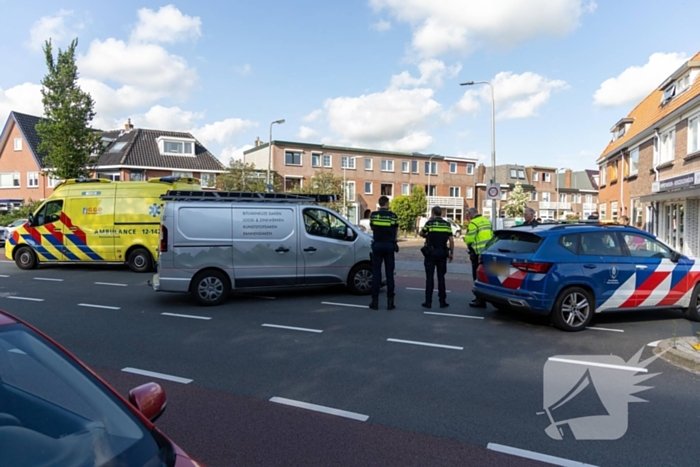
381 74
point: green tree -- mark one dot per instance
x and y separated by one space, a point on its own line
517 202
419 203
66 134
245 177
404 210
324 182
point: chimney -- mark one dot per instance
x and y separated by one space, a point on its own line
257 142
567 178
480 173
128 126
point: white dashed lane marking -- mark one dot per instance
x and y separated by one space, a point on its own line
4 275
291 328
186 316
452 315
104 307
426 344
423 290
536 456
351 305
321 408
114 284
48 279
153 374
634 369
596 328
29 299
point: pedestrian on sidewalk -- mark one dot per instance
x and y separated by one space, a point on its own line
529 216
385 230
479 233
440 248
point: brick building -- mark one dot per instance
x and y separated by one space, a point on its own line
129 154
369 173
650 170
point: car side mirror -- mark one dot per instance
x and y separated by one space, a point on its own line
149 399
675 256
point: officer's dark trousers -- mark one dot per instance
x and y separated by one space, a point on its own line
382 252
436 260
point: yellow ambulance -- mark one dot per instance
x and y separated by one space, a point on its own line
96 220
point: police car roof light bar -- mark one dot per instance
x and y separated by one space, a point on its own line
228 196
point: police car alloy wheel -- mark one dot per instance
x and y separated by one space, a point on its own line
210 288
573 309
693 310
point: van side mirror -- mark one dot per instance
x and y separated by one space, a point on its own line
31 219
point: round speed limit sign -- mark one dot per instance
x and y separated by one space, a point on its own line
493 191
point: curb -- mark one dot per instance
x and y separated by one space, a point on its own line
681 356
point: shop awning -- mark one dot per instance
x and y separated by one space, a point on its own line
669 195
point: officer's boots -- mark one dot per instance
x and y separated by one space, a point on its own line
390 304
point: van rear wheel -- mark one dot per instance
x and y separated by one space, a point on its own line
25 258
210 288
140 260
360 279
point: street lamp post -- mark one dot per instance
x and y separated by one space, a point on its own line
345 183
494 214
269 152
430 171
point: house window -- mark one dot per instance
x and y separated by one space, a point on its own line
368 164
117 147
292 158
455 192
545 197
683 84
470 192
208 180
667 148
612 166
405 189
347 162
470 169
175 174
350 191
52 181
589 199
521 174
176 147
535 177
453 167
634 161
315 160
562 197
431 190
603 214
9 180
613 210
387 165
368 188
693 140
327 160
513 173
431 168
547 177
504 195
386 189
533 196
578 198
404 167
414 167
32 179
18 144
669 92
603 174
291 183
137 176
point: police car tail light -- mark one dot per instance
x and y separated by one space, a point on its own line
527 266
163 239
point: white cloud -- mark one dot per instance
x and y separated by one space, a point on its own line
432 72
223 130
305 133
635 83
51 27
390 118
23 98
413 142
233 153
381 26
167 25
313 116
462 25
243 69
516 95
480 157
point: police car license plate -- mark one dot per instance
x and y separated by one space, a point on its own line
498 269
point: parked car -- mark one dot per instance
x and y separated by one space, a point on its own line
571 271
54 410
456 228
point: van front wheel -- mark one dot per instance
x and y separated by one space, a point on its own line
360 279
140 260
25 258
210 288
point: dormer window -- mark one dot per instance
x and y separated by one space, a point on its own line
170 146
683 84
620 128
669 92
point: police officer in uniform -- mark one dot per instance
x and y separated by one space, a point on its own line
440 245
479 233
385 227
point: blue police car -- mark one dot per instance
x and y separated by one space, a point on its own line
571 271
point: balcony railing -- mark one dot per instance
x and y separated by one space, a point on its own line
446 201
554 205
590 206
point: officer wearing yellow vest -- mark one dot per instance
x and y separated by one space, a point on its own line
440 249
479 233
385 226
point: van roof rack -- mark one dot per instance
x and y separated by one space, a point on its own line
228 196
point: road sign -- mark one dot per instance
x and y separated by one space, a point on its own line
493 191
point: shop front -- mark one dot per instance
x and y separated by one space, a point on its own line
673 212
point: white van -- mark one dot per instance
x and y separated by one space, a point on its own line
215 242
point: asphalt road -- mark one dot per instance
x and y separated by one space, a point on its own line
421 405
